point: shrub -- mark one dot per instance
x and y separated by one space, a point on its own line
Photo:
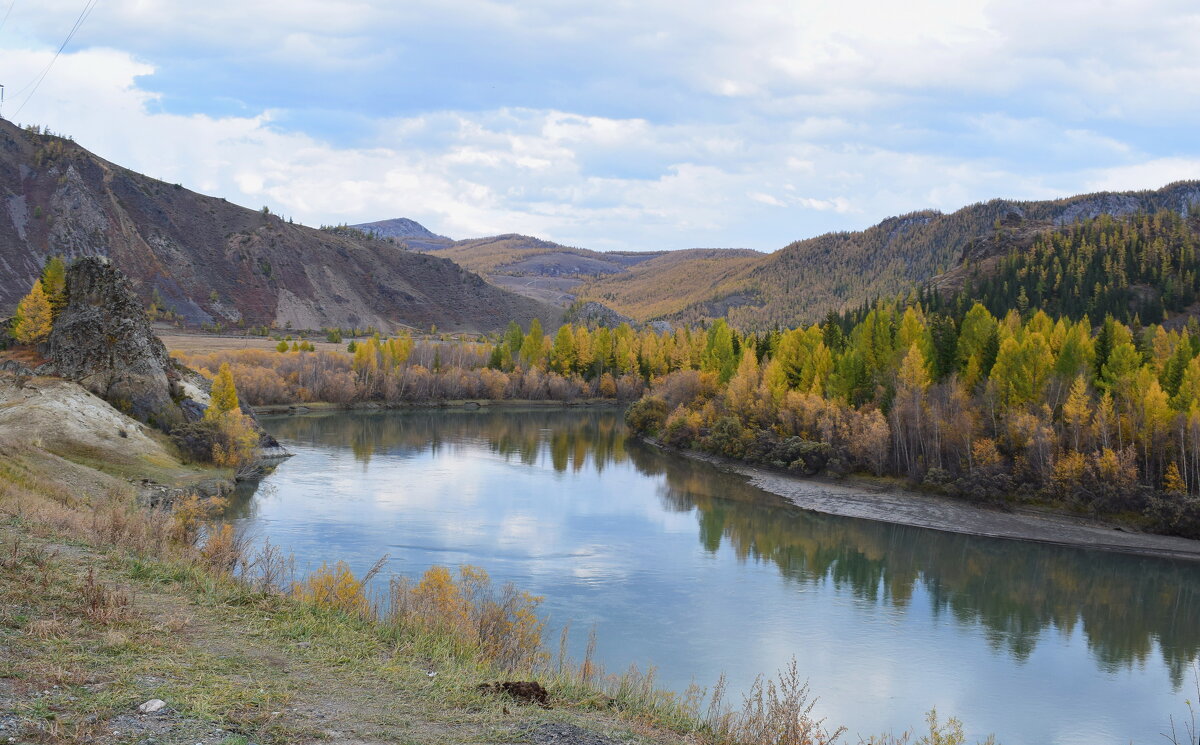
334 588
1175 514
499 623
728 437
647 415
682 428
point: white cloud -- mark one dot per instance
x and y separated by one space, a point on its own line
1147 175
826 116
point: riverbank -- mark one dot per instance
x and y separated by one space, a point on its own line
886 502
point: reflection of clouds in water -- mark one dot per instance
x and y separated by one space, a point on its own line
521 530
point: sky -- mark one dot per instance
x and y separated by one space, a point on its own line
656 124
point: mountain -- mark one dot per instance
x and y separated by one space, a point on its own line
803 281
206 261
399 227
539 269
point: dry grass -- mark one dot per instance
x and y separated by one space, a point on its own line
209 344
48 628
1186 731
103 604
775 712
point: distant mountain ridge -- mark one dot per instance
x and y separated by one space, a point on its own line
206 261
537 268
799 283
803 281
398 227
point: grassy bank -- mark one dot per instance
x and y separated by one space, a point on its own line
107 606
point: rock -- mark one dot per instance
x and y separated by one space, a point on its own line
152 706
16 368
103 341
554 733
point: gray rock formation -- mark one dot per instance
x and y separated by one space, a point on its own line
103 340
593 314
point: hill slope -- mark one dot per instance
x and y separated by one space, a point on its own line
210 261
805 280
538 269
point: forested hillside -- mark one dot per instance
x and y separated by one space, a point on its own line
802 282
1142 267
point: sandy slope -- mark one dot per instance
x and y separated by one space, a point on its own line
65 419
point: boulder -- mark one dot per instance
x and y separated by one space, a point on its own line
102 339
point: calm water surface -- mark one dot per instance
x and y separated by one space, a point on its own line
691 569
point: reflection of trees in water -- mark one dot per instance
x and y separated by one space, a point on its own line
570 437
1014 590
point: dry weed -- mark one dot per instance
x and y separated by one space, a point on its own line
47 628
102 604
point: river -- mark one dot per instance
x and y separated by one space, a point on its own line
688 568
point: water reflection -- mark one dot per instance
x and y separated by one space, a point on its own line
1126 607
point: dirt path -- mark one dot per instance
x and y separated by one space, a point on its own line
891 504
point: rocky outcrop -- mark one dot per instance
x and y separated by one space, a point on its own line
593 314
103 341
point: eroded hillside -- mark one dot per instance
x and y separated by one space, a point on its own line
206 261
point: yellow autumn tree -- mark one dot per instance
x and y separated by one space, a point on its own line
1173 481
236 436
223 399
1077 411
33 321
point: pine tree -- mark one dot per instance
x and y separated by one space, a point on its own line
54 282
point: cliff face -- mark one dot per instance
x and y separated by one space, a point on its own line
209 261
103 341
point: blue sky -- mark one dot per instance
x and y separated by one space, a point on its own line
621 125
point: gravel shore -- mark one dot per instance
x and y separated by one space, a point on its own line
893 504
